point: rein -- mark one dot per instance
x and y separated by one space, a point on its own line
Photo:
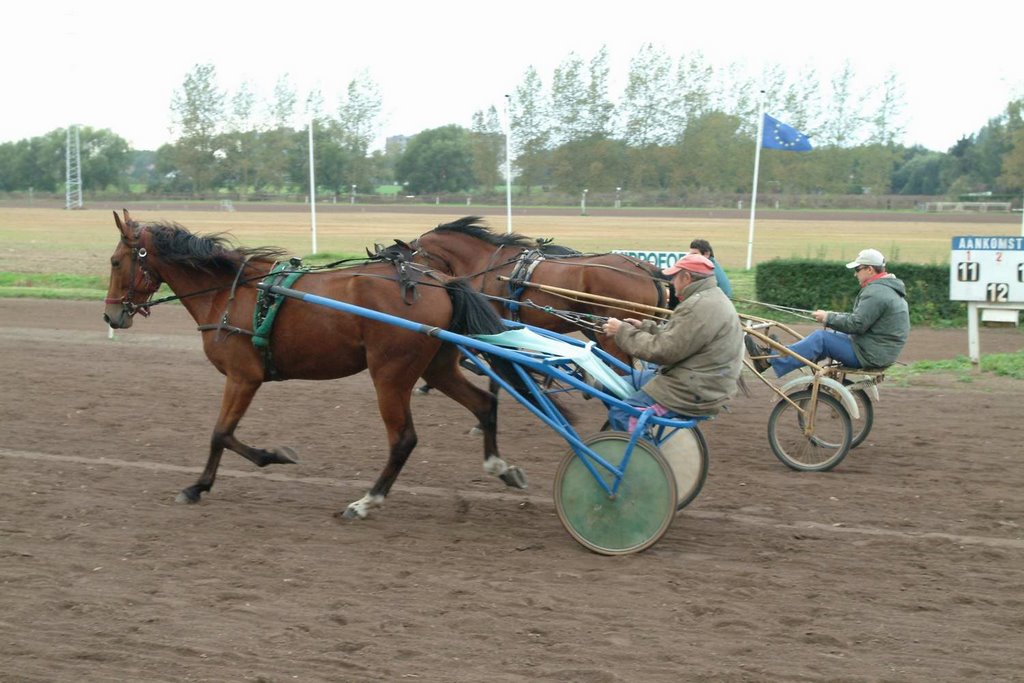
798 312
584 321
527 258
239 281
587 298
144 308
561 259
146 283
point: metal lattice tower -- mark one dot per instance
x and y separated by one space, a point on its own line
73 158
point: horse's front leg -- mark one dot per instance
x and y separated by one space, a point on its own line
394 409
238 395
444 374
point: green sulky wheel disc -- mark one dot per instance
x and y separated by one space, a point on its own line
632 521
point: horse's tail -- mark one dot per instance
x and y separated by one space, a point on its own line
673 297
473 314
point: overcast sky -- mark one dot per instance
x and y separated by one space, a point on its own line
115 64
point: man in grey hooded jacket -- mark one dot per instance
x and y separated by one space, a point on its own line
871 336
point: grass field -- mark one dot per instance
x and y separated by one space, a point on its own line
79 242
53 253
40 248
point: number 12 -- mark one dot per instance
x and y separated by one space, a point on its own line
997 292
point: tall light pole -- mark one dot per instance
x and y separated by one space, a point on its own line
618 202
583 202
353 194
312 186
508 165
73 168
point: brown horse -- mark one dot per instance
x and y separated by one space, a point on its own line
465 248
216 284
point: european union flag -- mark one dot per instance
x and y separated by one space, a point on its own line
778 135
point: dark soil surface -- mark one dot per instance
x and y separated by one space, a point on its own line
906 563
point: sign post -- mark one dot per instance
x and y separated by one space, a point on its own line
988 273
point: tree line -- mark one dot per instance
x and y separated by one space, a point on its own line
680 128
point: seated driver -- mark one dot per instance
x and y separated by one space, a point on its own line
870 336
698 350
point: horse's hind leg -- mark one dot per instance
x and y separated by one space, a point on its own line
444 375
238 395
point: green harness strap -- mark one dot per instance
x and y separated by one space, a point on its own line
265 312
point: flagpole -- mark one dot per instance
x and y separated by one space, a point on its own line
508 164
757 168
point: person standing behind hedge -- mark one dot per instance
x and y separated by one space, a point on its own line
703 247
871 336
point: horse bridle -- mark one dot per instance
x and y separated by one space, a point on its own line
143 281
418 251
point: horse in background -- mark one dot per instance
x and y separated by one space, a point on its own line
216 284
466 248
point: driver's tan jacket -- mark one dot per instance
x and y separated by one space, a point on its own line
699 349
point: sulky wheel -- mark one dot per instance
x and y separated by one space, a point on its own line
862 425
828 441
636 517
687 454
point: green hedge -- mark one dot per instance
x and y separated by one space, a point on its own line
830 285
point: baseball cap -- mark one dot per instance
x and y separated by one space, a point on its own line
695 263
868 257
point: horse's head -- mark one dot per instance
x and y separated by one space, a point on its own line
396 253
132 280
427 251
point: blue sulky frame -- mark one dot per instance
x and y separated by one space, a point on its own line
565 370
561 369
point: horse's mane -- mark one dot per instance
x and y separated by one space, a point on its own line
176 245
471 227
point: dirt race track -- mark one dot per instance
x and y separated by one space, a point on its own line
904 564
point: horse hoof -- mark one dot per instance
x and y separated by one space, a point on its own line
421 391
514 477
188 497
350 513
285 455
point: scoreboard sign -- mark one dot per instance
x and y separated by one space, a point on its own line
988 269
